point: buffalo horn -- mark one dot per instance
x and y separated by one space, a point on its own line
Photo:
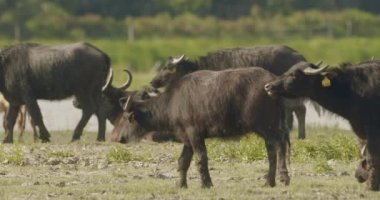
311 71
109 80
362 151
152 94
127 83
127 104
178 59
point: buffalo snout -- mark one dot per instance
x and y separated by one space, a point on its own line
269 89
361 173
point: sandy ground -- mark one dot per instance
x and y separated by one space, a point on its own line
61 115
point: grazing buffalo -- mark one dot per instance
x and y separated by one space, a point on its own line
33 71
351 91
274 58
114 111
207 104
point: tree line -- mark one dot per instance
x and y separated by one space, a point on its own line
22 19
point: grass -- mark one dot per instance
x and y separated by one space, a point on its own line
11 155
148 170
119 154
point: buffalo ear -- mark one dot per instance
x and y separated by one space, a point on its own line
364 164
131 117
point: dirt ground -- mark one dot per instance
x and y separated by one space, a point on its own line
83 170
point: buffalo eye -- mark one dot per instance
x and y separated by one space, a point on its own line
171 70
297 73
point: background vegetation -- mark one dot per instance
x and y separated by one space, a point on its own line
142 34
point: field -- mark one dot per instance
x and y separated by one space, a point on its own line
322 167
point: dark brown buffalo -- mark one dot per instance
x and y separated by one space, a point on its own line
353 92
274 58
207 104
33 71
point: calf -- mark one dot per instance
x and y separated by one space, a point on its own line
207 104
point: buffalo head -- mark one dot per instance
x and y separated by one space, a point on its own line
175 68
131 130
299 82
122 125
112 95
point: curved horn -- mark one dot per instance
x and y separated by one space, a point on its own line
178 59
109 80
311 71
363 149
127 83
127 104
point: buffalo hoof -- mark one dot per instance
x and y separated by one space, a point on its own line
285 179
75 139
373 187
7 141
270 183
182 185
101 139
207 185
45 140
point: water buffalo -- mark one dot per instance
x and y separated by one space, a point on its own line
274 58
207 104
31 71
353 92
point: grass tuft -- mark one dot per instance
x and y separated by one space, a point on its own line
13 155
119 154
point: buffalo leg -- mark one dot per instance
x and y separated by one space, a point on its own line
272 158
100 114
82 123
373 161
184 163
35 113
300 112
21 122
199 148
282 152
35 134
9 123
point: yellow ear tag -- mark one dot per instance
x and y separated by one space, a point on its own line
326 82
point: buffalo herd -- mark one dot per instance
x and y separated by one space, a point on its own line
225 93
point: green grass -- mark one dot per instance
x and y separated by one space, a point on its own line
144 53
141 55
148 170
11 155
119 154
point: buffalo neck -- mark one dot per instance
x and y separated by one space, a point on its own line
338 98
